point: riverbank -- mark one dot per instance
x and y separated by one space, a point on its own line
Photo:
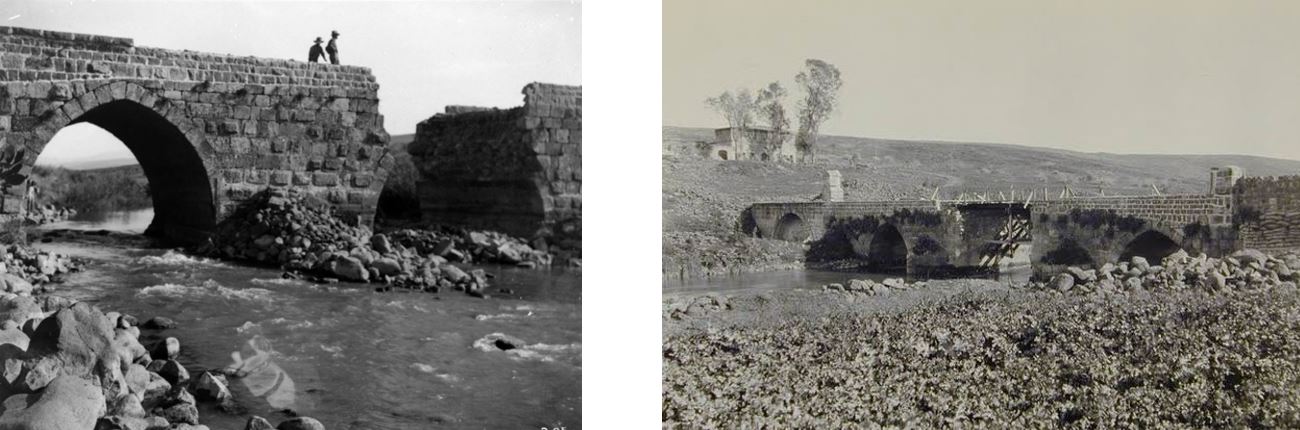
983 353
688 255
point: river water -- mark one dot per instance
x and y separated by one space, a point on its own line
344 354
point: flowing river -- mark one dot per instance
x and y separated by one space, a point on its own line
342 353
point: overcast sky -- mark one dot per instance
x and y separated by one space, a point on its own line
425 54
1152 76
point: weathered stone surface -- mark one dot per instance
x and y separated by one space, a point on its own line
300 423
66 403
516 170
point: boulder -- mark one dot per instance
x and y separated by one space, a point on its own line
66 403
386 266
1247 256
454 274
137 379
179 413
173 372
1062 282
20 309
300 423
258 423
211 387
863 285
168 349
442 247
76 336
15 337
127 406
14 284
159 323
350 268
380 244
1140 263
895 283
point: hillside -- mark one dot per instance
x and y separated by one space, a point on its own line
705 195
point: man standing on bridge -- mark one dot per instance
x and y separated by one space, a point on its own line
333 48
316 51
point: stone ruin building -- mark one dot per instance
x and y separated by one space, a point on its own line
516 170
751 143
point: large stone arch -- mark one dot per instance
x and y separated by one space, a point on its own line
887 250
1152 244
173 155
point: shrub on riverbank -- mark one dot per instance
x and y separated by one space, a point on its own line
1181 359
690 255
98 190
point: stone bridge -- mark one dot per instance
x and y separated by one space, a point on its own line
209 130
942 237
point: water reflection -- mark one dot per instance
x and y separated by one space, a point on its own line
135 221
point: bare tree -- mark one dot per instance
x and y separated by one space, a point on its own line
737 108
820 81
771 108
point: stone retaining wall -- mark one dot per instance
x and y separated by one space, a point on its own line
516 170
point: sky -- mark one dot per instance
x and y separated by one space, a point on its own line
1153 76
425 55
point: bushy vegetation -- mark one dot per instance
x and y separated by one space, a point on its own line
93 191
1023 359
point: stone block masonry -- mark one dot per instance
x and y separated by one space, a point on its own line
1268 212
516 170
209 130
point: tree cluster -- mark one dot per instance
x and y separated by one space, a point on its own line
819 83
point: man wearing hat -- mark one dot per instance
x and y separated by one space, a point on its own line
333 48
316 51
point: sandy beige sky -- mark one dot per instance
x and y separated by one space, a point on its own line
1151 76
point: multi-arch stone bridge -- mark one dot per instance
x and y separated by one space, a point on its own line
209 130
963 236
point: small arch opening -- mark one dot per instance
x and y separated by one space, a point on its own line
764 156
722 154
1152 245
887 252
791 228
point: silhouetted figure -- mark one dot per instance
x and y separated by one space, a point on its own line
333 47
316 51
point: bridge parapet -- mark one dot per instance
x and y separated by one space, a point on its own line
1178 209
31 54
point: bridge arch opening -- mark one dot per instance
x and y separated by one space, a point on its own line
764 156
791 228
722 154
178 182
1152 245
887 251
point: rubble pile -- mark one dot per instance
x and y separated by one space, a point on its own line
1247 269
300 234
35 266
872 288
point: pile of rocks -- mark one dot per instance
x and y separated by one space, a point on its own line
872 288
35 266
300 234
1244 270
48 214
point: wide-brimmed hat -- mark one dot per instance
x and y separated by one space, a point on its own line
319 40
334 33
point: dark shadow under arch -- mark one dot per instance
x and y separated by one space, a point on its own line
791 228
184 208
1151 245
722 154
887 252
1068 253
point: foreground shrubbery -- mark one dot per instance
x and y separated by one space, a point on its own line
687 255
1031 359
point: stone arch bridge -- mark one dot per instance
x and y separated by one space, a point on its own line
956 237
208 130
